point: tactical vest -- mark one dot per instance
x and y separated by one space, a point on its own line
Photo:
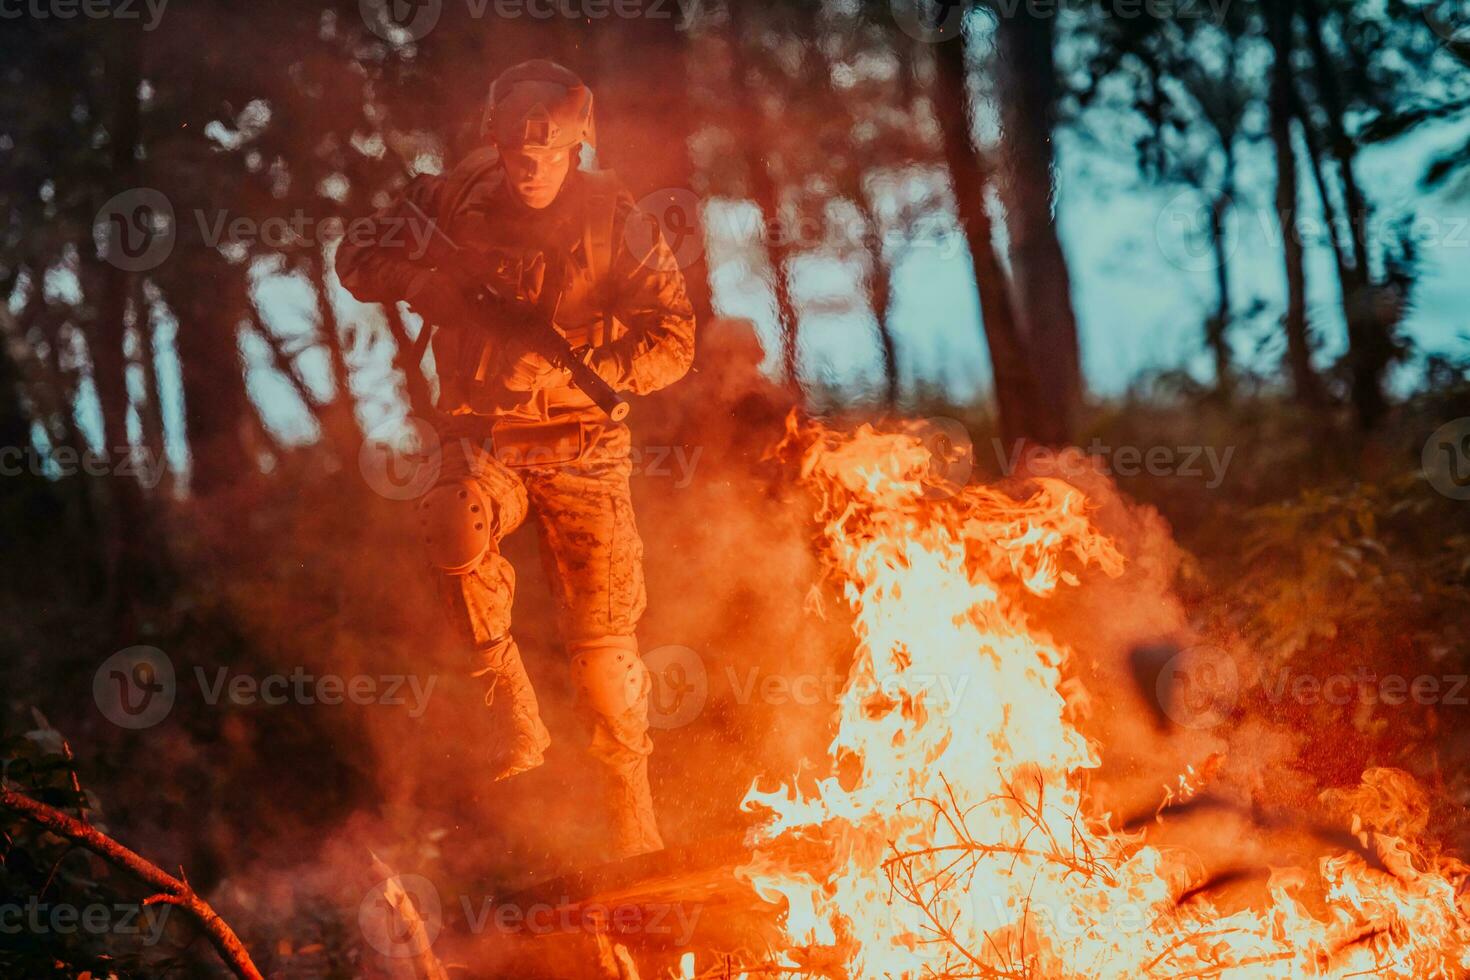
584 237
585 306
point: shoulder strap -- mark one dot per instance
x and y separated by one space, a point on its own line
603 189
482 164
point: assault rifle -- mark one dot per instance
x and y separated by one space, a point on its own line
533 325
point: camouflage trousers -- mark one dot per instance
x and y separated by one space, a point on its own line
594 559
589 540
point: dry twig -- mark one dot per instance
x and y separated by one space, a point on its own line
172 891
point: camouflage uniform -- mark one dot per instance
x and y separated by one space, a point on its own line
518 439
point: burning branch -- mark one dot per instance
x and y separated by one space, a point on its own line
940 582
172 891
925 893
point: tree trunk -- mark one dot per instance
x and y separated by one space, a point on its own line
880 299
648 138
15 426
1027 79
154 441
1015 391
215 402
133 563
1219 323
1370 345
420 404
340 417
1298 345
750 122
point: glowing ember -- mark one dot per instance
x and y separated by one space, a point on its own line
954 838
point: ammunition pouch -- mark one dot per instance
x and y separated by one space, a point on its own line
549 442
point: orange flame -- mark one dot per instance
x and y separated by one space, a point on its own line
954 839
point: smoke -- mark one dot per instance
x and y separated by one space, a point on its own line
748 644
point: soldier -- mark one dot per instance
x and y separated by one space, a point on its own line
518 436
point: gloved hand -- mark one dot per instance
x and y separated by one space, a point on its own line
526 370
442 302
440 299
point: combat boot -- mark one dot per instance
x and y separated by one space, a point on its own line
613 685
521 740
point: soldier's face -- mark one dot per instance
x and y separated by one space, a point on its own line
536 175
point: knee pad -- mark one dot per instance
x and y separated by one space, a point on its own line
455 522
609 675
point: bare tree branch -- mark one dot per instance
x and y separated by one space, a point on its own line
172 891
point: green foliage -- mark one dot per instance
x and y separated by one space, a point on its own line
1370 566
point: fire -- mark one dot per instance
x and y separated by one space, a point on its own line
953 835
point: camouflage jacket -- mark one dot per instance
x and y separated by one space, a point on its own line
623 295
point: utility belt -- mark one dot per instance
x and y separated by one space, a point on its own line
549 442
558 427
